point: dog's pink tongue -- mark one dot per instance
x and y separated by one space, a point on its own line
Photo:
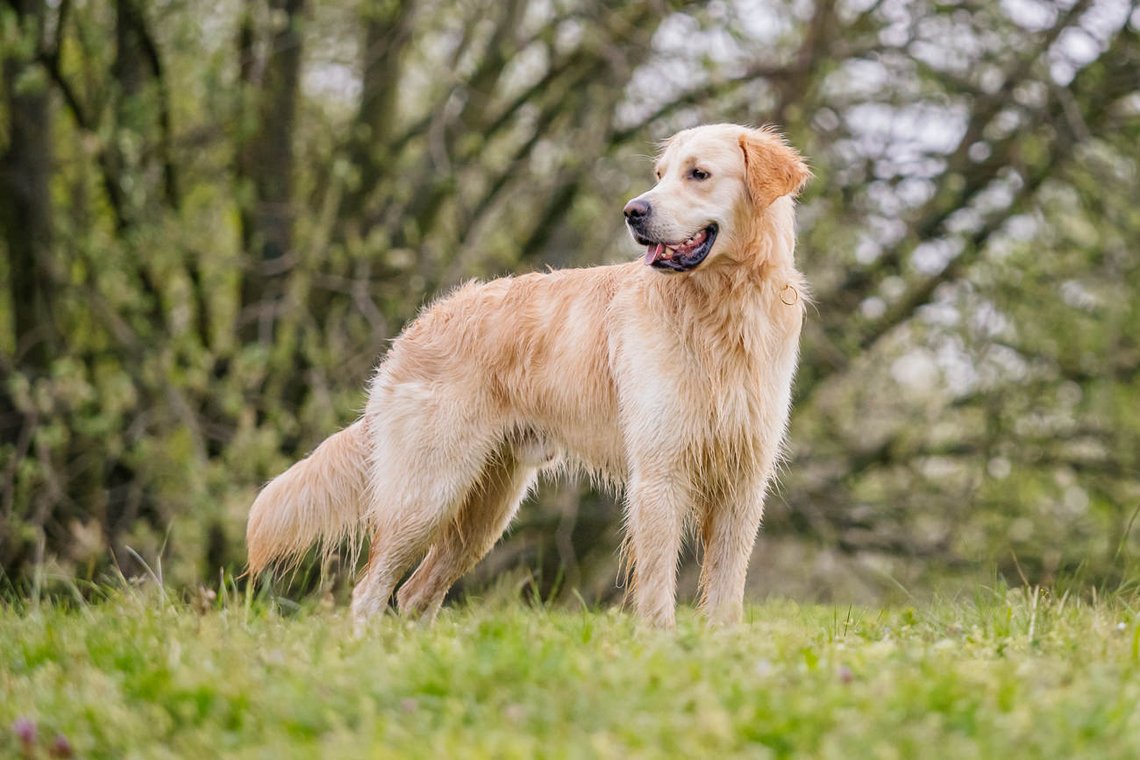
653 252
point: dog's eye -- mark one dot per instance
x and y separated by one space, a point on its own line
700 175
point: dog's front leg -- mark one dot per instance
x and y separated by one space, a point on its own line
728 532
657 510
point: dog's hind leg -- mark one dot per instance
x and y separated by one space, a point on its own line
397 542
420 479
486 512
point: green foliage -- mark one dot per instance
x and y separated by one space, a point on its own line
1010 673
214 217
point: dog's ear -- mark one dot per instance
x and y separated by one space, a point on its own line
772 168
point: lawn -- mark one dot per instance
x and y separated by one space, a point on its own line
1007 673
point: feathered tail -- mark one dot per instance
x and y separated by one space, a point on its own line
320 499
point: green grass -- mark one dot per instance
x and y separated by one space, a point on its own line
1009 674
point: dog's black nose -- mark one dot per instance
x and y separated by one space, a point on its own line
636 210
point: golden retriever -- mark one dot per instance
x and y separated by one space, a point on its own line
670 377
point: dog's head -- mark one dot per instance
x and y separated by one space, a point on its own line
712 182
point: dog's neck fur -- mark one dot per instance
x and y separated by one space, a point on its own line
761 254
768 240
739 297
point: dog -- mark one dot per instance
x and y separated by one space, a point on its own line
669 377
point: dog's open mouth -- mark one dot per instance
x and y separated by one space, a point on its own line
679 257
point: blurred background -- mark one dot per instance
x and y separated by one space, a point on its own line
215 216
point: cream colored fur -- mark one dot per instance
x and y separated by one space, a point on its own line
676 386
321 498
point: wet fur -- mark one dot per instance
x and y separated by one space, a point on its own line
675 387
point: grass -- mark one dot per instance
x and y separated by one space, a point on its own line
1009 673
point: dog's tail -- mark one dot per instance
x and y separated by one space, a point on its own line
321 499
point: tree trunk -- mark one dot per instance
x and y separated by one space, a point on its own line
26 230
25 198
387 30
265 164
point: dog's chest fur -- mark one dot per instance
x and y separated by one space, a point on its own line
704 376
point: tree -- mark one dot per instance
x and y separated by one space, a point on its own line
236 207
